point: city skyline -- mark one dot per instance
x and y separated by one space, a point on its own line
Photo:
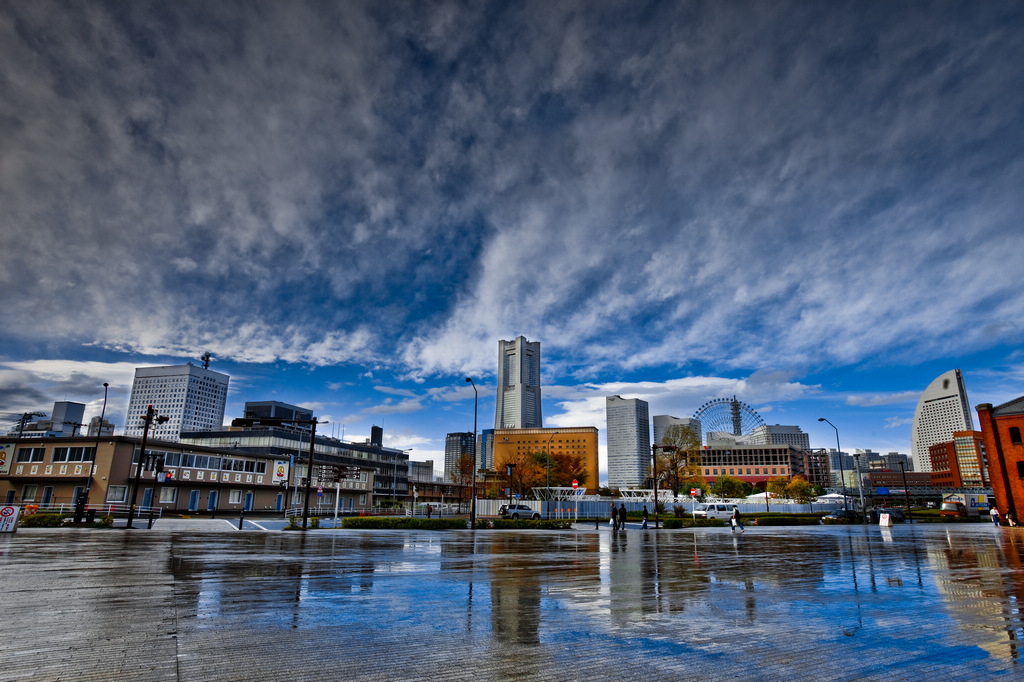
811 207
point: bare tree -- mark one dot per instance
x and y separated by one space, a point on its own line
679 464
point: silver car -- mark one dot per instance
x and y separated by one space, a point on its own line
517 511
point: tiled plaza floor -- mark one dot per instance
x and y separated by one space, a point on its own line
201 602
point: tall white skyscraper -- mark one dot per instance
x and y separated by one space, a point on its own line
629 441
663 422
943 409
193 398
518 385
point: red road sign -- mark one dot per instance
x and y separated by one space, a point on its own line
575 484
693 492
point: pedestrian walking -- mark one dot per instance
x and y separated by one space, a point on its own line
1010 520
622 516
614 521
430 510
995 515
735 519
644 526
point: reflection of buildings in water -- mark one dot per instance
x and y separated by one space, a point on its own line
524 567
293 571
978 593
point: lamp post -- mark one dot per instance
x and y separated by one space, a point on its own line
83 497
547 448
472 501
148 419
842 476
860 488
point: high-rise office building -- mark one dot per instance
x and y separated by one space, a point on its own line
778 434
629 441
663 422
518 385
942 410
192 397
455 446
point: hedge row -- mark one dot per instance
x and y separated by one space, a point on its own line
787 520
402 522
673 522
516 524
42 521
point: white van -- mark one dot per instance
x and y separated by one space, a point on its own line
714 511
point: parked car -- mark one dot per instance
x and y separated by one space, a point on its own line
841 516
517 511
896 514
714 511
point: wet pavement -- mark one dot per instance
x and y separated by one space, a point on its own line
198 602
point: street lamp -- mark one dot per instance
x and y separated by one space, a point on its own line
547 448
83 497
860 488
839 455
472 501
149 419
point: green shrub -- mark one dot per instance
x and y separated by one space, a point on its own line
314 522
691 523
518 524
42 521
403 522
787 520
105 522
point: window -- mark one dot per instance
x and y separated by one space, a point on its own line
28 493
73 454
172 459
168 494
234 496
29 455
1014 435
117 493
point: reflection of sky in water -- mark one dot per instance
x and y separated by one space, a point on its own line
669 591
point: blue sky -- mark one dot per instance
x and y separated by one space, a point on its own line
815 207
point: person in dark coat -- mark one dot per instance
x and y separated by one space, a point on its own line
736 523
622 516
644 526
615 518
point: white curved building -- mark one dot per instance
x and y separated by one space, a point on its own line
943 409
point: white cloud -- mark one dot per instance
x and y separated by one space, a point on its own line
885 399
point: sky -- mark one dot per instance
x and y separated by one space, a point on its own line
814 207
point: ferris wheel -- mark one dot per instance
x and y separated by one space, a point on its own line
730 417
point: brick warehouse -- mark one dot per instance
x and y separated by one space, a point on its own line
1001 428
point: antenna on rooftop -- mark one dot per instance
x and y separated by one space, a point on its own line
206 360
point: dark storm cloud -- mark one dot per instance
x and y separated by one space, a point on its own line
736 183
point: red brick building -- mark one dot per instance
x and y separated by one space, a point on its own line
1001 429
959 463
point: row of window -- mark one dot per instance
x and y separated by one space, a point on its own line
78 454
190 461
739 472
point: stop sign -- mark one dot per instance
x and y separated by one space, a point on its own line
693 492
575 484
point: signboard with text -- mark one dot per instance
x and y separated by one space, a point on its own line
6 457
9 518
